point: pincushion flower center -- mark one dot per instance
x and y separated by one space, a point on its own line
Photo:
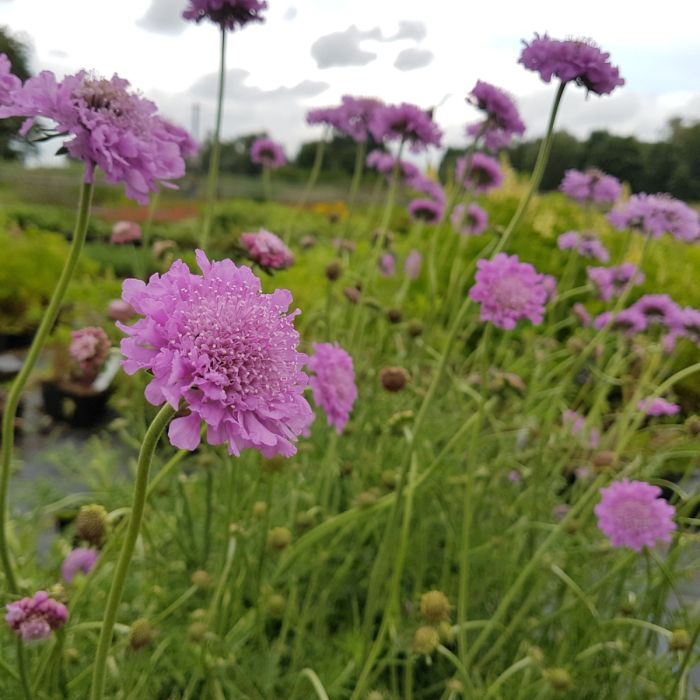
510 293
635 517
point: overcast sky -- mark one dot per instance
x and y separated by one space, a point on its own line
310 52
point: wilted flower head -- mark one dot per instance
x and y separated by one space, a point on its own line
387 265
412 264
502 118
106 126
593 186
405 122
612 281
89 348
658 407
427 210
80 560
125 232
508 291
655 214
229 352
35 618
268 250
632 514
333 383
482 175
571 60
228 14
8 80
470 220
268 153
586 245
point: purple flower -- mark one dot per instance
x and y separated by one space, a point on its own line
125 232
8 80
483 174
187 145
216 342
593 186
612 281
586 245
267 249
80 560
424 185
581 313
427 210
387 265
413 264
628 321
659 308
655 214
328 116
333 383
267 153
502 119
106 127
35 618
632 514
658 407
469 220
688 325
405 122
384 163
355 116
89 348
508 291
571 60
228 14
575 424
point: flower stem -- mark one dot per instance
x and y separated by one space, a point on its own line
148 447
13 395
215 155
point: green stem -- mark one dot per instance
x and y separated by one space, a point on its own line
13 395
315 172
148 447
215 155
22 668
266 179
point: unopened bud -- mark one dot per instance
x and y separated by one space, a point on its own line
680 641
425 640
334 270
92 525
393 379
141 634
435 606
558 678
201 579
394 315
259 509
279 538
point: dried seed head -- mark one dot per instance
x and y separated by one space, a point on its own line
334 270
259 510
415 328
394 379
275 606
394 315
197 631
201 579
92 525
680 640
558 678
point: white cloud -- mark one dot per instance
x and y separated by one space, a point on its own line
412 58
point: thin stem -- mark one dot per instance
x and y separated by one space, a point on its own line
13 395
215 155
148 447
22 668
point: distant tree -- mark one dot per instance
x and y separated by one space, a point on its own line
234 155
338 157
11 147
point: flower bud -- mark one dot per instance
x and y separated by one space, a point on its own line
394 315
435 606
305 520
334 270
352 294
692 424
197 631
275 606
604 460
366 499
537 655
446 633
425 640
558 678
680 640
415 328
92 525
259 510
375 695
201 579
141 634
393 379
454 685
279 538
390 478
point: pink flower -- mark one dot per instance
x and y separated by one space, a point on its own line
412 264
229 352
502 120
35 618
592 186
658 407
268 153
405 122
508 291
387 265
119 310
89 348
267 250
125 232
655 214
427 210
482 175
228 14
8 80
80 560
333 383
581 313
631 514
469 220
612 281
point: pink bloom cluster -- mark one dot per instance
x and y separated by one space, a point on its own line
593 186
35 618
268 250
656 214
351 118
571 60
631 514
89 348
428 210
80 560
229 352
585 244
502 118
508 291
333 383
629 321
612 281
658 407
228 14
268 153
107 127
8 80
405 122
125 232
660 309
469 220
482 175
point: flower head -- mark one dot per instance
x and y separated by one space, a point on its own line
658 407
629 321
571 60
125 232
8 80
655 214
427 210
502 120
508 291
106 126
632 514
267 250
216 342
688 325
413 264
593 186
425 185
228 14
333 383
659 308
470 220
387 265
89 348
612 281
355 114
586 245
268 153
482 175
80 560
384 163
35 618
405 122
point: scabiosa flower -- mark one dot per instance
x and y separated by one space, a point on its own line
593 186
508 291
387 265
655 214
469 220
89 348
268 153
629 321
658 308
427 210
80 560
612 281
106 126
581 313
119 310
658 407
216 342
384 163
579 61
632 514
125 232
483 174
267 250
228 14
586 245
413 264
424 185
35 618
502 118
405 122
333 383
355 114
688 325
328 116
8 80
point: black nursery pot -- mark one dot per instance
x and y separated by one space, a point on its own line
80 409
